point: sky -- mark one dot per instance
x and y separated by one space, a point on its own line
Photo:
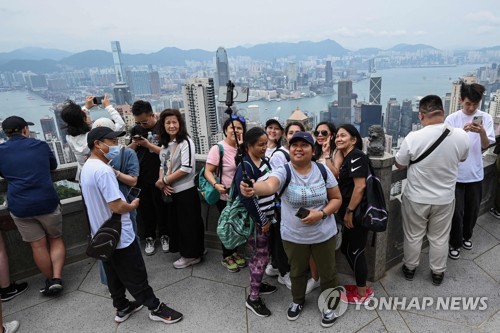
149 25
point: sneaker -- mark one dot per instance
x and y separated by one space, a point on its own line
271 271
266 288
122 315
165 246
294 311
150 248
354 298
454 253
408 273
230 264
11 326
258 307
350 287
437 278
239 260
186 262
495 213
13 290
311 285
56 286
328 318
285 279
467 244
165 314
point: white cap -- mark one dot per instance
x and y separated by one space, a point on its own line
104 122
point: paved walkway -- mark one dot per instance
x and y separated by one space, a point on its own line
212 299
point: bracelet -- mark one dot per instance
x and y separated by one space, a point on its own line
349 210
117 174
165 180
215 184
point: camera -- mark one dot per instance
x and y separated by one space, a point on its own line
240 94
98 100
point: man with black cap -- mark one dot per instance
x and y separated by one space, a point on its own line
33 202
126 269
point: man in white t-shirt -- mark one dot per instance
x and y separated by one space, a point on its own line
468 192
428 199
126 269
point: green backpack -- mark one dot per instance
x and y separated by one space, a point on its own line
207 190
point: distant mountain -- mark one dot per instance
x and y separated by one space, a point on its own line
368 51
411 47
168 56
36 66
491 48
91 58
33 53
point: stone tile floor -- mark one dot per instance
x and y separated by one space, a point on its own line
212 299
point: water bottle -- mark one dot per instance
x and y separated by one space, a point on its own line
150 139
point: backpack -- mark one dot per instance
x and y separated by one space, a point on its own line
372 208
287 155
207 190
103 244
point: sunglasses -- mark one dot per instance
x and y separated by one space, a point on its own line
323 132
238 118
141 122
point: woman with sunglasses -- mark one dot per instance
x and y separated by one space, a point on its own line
324 148
279 265
231 259
352 183
274 131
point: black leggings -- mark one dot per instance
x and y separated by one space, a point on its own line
353 248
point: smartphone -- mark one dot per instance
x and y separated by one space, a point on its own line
478 120
98 100
133 193
302 213
240 94
137 137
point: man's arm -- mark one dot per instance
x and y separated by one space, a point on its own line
121 207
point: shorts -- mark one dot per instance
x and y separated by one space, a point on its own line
34 228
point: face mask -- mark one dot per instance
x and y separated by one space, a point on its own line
113 152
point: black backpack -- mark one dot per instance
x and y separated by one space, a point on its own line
372 208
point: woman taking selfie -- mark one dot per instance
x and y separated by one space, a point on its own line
352 183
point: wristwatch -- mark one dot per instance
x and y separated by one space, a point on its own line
324 215
349 210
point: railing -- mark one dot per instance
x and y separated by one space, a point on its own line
385 252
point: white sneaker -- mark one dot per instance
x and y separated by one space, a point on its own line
165 246
150 248
186 262
11 326
285 280
271 271
311 285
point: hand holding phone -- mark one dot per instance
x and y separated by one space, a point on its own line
133 193
137 137
302 213
98 100
478 120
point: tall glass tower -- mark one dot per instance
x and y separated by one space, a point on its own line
121 90
222 68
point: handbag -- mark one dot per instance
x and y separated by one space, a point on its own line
168 198
103 244
207 190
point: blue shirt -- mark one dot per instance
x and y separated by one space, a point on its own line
130 167
26 164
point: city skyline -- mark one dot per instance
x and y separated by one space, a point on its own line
151 26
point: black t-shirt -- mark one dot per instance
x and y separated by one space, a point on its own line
355 165
149 162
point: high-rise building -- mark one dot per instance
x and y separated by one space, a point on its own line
121 91
455 92
37 82
367 115
328 73
49 128
392 116
375 89
222 66
371 66
139 82
154 79
292 75
61 125
447 104
201 114
344 100
495 107
406 118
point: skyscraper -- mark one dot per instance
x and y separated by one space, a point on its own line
328 73
201 113
49 128
121 90
344 99
392 116
406 118
222 66
366 116
455 92
61 125
375 89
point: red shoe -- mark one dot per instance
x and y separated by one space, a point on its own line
354 298
350 287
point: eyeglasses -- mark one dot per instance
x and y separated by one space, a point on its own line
323 132
145 122
236 117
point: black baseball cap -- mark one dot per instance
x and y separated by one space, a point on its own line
15 124
302 136
100 133
274 121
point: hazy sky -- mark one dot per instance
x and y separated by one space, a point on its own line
148 25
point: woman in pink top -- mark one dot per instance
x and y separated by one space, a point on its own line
230 257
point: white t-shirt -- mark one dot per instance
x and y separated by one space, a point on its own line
308 191
99 187
472 169
432 180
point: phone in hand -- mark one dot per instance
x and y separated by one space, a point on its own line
98 100
478 120
302 213
137 137
133 193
